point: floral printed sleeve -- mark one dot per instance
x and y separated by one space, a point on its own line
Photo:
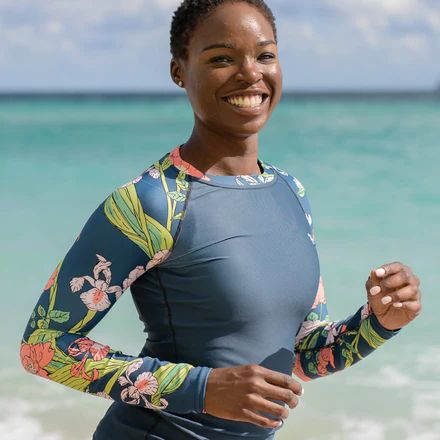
323 347
119 243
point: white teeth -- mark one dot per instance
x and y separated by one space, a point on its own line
245 101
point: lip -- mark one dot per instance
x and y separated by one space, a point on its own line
250 110
247 92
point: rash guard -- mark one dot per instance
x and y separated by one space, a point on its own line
223 271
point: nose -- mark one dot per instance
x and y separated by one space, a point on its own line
249 72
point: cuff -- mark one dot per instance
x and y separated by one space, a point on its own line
190 396
380 329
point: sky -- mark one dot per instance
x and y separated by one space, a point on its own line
71 45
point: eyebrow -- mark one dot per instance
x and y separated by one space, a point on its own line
231 46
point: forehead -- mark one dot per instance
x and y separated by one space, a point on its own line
238 22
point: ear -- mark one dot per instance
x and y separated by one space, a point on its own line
176 71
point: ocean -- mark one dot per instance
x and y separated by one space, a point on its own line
370 166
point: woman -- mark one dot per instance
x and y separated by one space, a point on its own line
218 249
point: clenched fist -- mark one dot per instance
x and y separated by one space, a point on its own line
394 295
239 393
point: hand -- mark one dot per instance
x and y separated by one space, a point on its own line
239 393
400 287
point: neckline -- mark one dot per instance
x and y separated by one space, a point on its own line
268 176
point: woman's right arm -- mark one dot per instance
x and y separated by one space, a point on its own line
119 243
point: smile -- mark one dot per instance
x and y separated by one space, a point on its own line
246 101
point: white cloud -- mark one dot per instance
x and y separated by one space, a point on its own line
96 37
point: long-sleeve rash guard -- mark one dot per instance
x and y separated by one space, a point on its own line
223 271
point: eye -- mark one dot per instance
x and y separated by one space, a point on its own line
267 56
220 59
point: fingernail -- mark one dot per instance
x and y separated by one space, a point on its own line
386 299
302 391
397 304
380 272
280 423
375 290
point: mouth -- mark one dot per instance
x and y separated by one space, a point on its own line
247 103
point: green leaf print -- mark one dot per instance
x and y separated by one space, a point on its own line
169 378
311 367
182 184
178 216
313 340
166 164
41 311
43 335
348 356
124 210
33 324
175 195
312 316
43 323
59 316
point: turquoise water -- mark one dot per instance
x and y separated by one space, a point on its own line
371 170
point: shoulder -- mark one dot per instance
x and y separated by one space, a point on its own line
151 205
300 192
293 181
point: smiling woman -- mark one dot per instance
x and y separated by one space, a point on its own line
218 249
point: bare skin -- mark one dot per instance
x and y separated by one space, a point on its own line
402 286
224 141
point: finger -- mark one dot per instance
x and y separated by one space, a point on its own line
278 393
413 306
258 420
284 381
388 269
373 282
259 403
395 281
407 293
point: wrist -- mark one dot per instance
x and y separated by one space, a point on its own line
381 329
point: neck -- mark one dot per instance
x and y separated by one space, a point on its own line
221 153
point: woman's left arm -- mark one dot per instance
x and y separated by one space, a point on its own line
323 347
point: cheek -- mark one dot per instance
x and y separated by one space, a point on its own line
204 93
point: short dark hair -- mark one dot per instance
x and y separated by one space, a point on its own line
191 12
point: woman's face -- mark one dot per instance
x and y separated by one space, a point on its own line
232 53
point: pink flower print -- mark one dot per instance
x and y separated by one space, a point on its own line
52 279
366 311
132 182
145 385
104 394
320 294
325 357
158 257
132 276
34 357
298 370
184 166
78 370
307 327
154 173
96 298
333 331
86 345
